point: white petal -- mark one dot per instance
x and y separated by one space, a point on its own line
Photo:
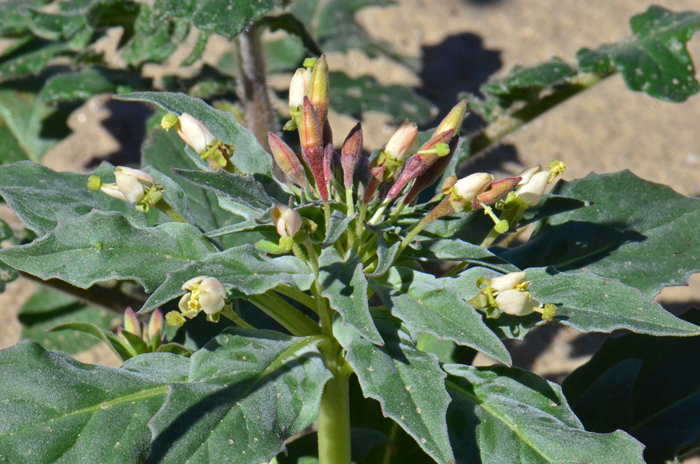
528 173
196 134
113 192
213 286
183 302
190 284
471 186
287 221
298 87
130 186
507 282
531 192
143 176
513 302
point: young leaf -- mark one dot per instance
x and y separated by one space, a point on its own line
249 156
407 382
48 308
590 303
101 246
87 83
430 305
646 386
642 233
247 392
654 58
501 414
244 268
345 286
55 408
338 224
365 93
457 250
62 196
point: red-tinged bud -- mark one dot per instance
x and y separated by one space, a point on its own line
498 189
453 121
350 154
328 164
327 134
311 135
448 184
318 88
419 163
131 322
432 174
377 175
155 325
287 160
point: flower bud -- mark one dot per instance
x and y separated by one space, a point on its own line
508 281
496 191
133 183
514 302
287 160
298 88
155 325
527 174
402 142
350 154
453 121
311 137
318 89
531 191
287 221
194 133
469 187
131 322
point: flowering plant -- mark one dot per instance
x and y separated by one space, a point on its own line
294 298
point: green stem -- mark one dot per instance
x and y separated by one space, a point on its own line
443 208
298 296
285 314
505 125
360 226
397 212
334 416
229 313
165 207
327 214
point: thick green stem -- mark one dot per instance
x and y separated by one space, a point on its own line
285 314
229 313
327 215
165 207
334 418
505 125
298 296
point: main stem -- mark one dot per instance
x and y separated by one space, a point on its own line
334 420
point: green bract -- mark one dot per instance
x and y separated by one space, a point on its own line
306 301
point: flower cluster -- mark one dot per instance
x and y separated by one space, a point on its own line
132 186
509 294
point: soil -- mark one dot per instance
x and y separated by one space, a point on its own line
462 43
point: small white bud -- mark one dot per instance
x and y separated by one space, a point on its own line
514 302
507 282
471 186
133 183
531 192
195 134
298 88
287 221
402 142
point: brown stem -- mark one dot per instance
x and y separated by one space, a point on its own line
260 118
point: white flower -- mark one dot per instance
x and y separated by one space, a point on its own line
516 303
131 185
298 88
195 134
206 294
287 221
471 186
531 191
403 141
507 282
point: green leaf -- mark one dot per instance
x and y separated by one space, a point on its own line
590 303
101 246
152 40
647 386
42 198
365 93
163 151
97 334
49 308
56 409
22 126
53 26
246 195
339 223
641 233
435 306
385 257
654 59
244 268
228 18
248 391
408 383
457 250
525 81
332 23
32 61
87 83
249 156
501 414
345 286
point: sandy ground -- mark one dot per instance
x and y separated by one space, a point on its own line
463 43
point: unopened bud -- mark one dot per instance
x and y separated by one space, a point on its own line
402 142
508 281
194 133
94 183
311 136
155 325
287 160
497 190
318 88
453 121
531 191
175 319
350 154
287 221
298 88
471 186
131 322
514 302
